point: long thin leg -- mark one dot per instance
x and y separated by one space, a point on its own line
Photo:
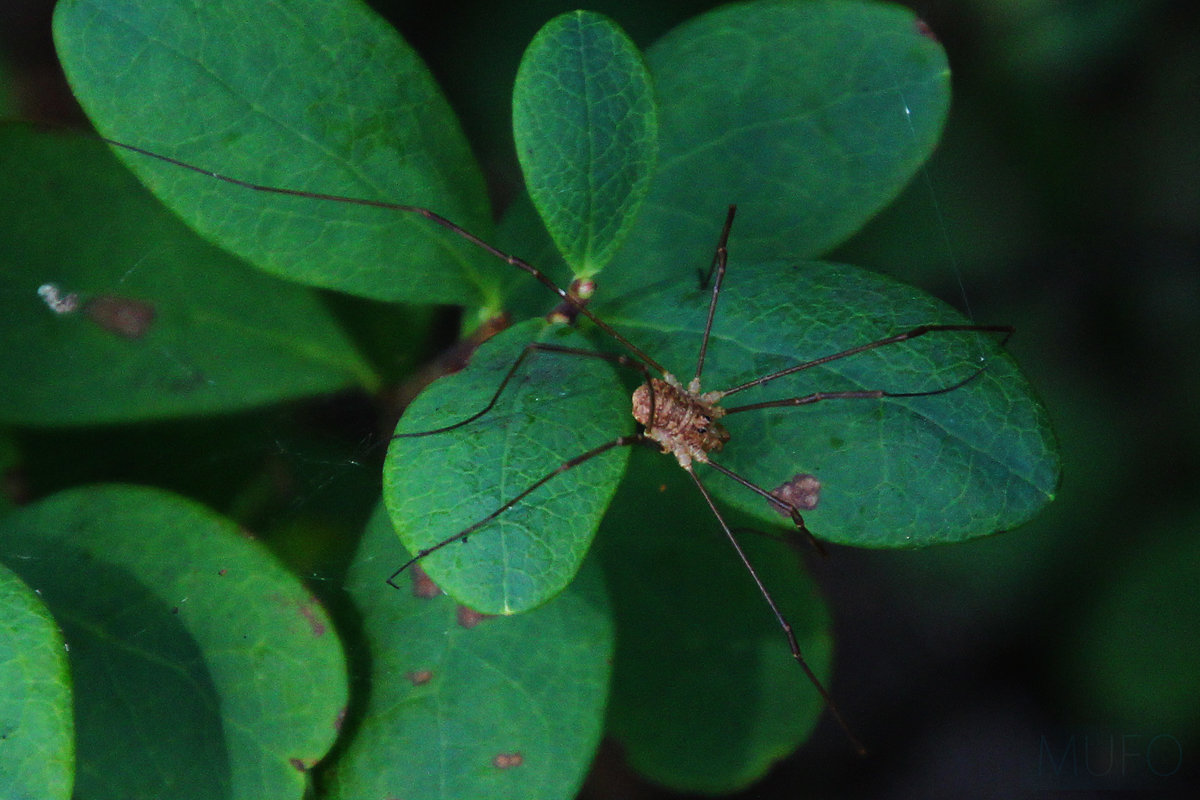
867 394
920 330
620 441
532 347
720 259
783 623
782 505
432 216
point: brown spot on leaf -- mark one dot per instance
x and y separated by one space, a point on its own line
422 585
340 719
419 676
123 316
508 760
926 31
469 618
315 623
301 765
222 572
803 491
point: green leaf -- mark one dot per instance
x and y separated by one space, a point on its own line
585 126
810 117
313 96
556 407
166 325
508 707
38 754
199 663
706 694
895 472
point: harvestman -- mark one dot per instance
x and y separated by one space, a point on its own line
676 418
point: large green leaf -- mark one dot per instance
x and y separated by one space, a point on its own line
556 407
706 694
313 96
809 116
463 706
201 667
585 126
37 757
896 472
166 324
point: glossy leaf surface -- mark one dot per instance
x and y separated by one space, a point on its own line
810 117
313 96
586 130
38 758
463 706
197 660
896 472
556 407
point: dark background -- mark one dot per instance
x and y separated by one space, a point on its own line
1065 200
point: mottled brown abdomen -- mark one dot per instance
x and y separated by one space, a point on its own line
685 422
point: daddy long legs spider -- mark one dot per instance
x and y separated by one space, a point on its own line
684 421
457 495
680 419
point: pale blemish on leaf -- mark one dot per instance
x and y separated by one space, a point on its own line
803 491
508 760
419 677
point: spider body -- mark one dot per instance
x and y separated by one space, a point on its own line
685 419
